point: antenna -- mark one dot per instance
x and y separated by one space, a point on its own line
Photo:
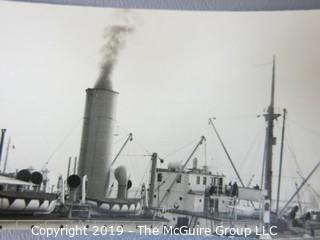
273 81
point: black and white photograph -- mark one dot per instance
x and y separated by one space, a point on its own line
119 121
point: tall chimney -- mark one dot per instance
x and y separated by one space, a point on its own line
96 147
97 131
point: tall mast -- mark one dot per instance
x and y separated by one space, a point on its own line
270 140
281 159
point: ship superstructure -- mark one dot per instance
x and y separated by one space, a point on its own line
194 190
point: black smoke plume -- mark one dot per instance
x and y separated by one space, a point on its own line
115 39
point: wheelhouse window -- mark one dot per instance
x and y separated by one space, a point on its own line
198 180
159 177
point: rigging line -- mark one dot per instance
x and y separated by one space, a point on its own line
251 146
119 139
143 147
258 149
293 155
205 153
313 191
263 168
298 197
135 155
300 187
288 145
309 185
144 175
232 117
304 128
135 139
179 149
307 129
167 178
62 142
225 150
276 176
291 165
146 172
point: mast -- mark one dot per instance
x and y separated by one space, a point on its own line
281 158
154 159
270 140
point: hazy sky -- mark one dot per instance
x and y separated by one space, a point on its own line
176 70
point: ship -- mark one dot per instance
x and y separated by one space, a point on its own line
191 197
181 196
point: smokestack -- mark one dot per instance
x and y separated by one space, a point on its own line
96 149
97 132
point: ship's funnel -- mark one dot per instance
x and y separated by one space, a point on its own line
121 175
97 132
96 148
